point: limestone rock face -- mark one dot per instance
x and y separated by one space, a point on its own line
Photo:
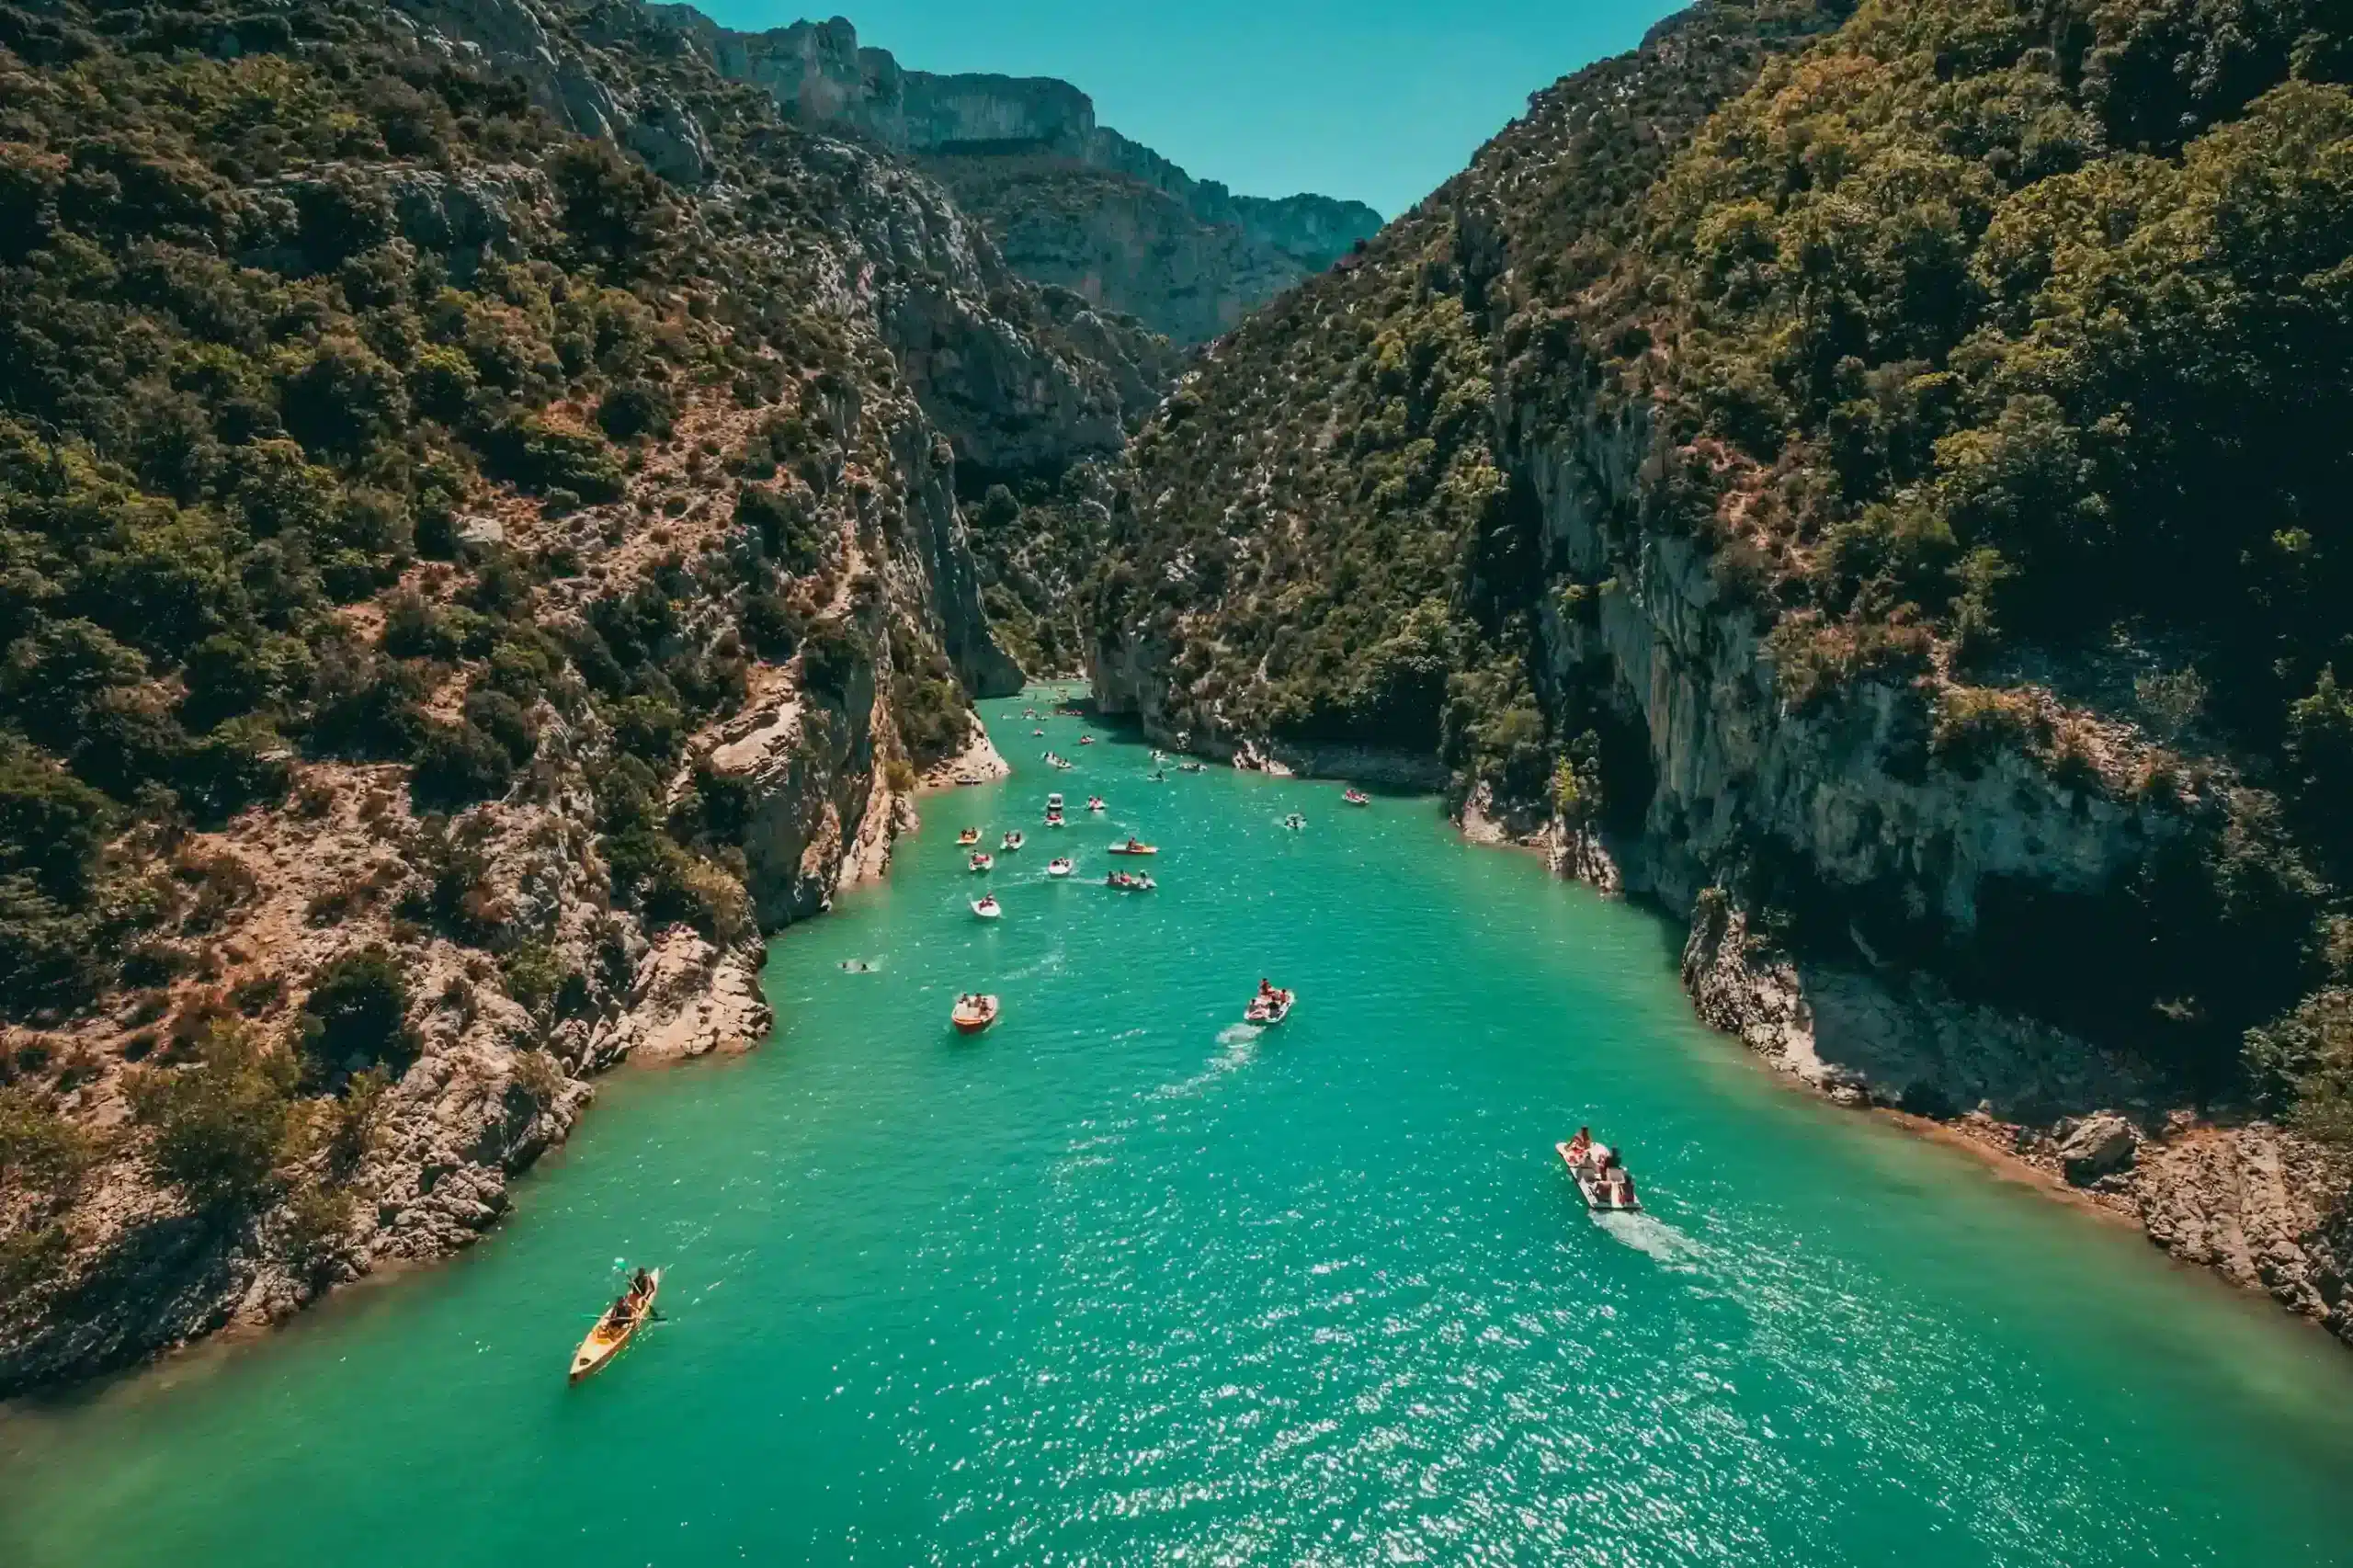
1070 202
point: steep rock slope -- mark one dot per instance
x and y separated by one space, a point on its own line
478 501
1868 489
1068 202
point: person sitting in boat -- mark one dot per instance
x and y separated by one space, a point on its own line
1622 1191
641 1285
1581 1145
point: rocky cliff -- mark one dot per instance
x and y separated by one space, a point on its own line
1068 202
576 461
1510 496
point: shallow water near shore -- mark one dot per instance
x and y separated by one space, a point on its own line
1123 1280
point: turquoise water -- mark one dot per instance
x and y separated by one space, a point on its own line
1122 1282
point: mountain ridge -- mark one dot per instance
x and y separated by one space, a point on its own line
966 125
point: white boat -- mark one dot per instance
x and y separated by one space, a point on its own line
1013 840
987 907
1294 821
1269 1007
1592 1180
1058 868
982 862
1095 803
1190 767
1054 804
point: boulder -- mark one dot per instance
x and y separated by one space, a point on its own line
2097 1146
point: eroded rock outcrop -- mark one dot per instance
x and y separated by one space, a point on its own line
1068 201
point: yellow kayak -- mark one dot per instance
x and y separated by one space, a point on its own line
605 1341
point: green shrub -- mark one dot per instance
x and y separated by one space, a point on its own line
357 1016
831 658
538 456
638 408
219 1125
458 765
40 1151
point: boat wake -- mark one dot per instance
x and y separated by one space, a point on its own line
1651 1236
1238 1043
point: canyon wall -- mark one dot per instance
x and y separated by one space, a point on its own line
741 632
1452 493
1068 202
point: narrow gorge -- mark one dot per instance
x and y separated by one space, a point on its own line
505 504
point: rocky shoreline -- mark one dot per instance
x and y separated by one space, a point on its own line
2260 1206
2257 1205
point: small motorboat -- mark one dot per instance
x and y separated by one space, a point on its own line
1268 1008
1134 847
1294 821
1121 881
982 860
973 1014
1063 761
1190 767
970 836
1054 804
1029 712
615 1329
1058 867
1608 1186
987 907
1086 740
1012 841
1055 820
1095 803
1037 732
1357 798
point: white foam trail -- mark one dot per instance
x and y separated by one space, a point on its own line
1239 1043
1649 1234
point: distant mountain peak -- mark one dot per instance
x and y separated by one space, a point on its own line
1070 200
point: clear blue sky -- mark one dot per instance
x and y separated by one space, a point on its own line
1375 99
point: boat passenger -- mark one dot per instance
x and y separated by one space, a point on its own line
1581 1145
640 1284
1625 1189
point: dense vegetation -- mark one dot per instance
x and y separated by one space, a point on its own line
1993 350
283 298
1311 505
394 481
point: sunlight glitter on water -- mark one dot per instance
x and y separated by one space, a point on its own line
1127 1280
